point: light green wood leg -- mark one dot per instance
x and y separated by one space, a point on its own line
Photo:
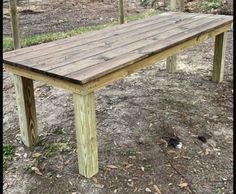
171 64
219 57
85 122
173 5
26 110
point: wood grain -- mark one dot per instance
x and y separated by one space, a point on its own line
219 57
85 122
84 63
26 110
171 64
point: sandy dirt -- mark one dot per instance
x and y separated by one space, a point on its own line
136 116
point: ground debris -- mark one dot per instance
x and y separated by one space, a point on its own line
36 170
158 191
111 166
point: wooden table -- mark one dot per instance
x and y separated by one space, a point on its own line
84 63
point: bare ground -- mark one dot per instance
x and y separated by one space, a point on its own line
134 118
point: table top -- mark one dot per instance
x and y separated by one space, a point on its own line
86 57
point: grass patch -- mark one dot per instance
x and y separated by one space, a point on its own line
210 4
51 150
8 153
54 148
48 37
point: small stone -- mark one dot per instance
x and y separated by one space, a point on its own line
224 179
212 143
141 140
142 168
148 190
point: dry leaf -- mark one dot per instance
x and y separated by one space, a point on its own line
171 152
36 170
182 185
128 166
186 157
157 189
162 141
36 155
148 190
94 179
99 186
112 166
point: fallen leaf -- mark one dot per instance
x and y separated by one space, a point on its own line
63 147
148 190
112 166
99 186
94 179
142 168
36 155
162 141
128 166
182 185
131 184
157 189
171 152
186 157
36 170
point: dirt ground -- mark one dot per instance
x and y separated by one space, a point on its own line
136 116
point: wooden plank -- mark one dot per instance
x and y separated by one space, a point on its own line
96 56
26 110
219 57
181 5
123 60
81 45
171 64
14 23
121 11
81 40
79 52
116 75
91 85
87 37
59 82
171 61
85 122
173 5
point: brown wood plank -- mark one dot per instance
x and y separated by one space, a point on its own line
124 53
79 45
93 72
100 50
113 53
80 88
90 36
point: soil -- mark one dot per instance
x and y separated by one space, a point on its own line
136 117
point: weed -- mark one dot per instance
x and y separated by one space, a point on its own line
51 150
210 4
8 153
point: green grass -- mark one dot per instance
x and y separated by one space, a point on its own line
210 4
47 37
8 153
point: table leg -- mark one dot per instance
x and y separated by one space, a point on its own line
85 122
171 64
219 57
26 110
